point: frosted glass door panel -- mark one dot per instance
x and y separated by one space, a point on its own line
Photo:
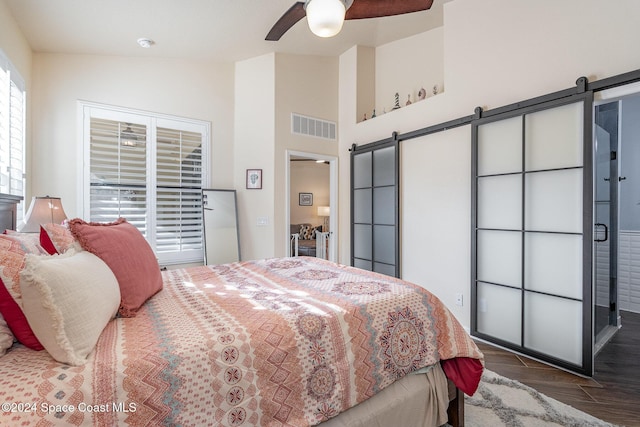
362 170
499 312
389 270
383 243
553 138
553 264
384 170
384 207
362 206
500 202
363 264
362 241
553 326
553 201
500 147
500 257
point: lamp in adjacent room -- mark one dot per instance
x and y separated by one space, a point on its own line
325 17
324 211
43 210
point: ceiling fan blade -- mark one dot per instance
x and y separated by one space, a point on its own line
286 21
361 9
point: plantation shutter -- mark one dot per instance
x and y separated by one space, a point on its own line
179 190
118 158
12 131
149 170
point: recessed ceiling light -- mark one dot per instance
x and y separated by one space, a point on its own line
146 43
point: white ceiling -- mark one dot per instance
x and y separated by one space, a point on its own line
220 30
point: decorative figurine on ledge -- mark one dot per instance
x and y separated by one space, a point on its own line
408 100
373 115
397 104
435 89
365 117
422 94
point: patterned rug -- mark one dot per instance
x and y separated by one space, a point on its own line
500 401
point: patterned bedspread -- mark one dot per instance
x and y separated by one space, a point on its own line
277 342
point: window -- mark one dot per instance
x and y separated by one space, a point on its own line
12 135
149 169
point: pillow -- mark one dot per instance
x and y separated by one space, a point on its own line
6 337
124 249
68 300
56 238
307 232
13 249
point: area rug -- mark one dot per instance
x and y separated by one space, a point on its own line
501 401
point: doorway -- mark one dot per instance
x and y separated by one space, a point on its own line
312 198
617 185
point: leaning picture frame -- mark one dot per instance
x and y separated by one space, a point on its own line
254 179
305 199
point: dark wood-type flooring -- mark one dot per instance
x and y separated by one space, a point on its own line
613 394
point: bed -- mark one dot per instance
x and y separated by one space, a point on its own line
275 342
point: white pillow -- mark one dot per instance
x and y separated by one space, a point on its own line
6 337
68 299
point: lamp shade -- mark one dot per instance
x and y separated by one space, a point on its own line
325 17
324 211
43 210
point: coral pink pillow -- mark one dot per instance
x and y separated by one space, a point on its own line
124 249
14 248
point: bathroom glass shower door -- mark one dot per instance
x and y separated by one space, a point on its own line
605 230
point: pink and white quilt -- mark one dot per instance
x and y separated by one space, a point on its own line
276 342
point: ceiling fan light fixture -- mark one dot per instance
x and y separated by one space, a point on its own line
325 17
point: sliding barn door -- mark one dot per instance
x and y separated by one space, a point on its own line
375 228
532 231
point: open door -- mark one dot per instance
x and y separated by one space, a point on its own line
312 199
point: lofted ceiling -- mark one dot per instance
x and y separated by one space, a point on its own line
219 30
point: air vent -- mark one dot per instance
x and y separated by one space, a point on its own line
303 125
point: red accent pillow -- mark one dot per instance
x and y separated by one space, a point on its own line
124 249
13 251
46 243
56 238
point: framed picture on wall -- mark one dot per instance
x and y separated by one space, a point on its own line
254 179
305 199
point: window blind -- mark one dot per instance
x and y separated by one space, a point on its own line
179 190
149 170
12 131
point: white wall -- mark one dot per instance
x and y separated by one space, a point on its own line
306 85
436 210
406 66
254 147
200 90
496 52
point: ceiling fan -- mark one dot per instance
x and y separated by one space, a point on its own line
325 17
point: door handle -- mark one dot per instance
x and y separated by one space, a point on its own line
606 232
